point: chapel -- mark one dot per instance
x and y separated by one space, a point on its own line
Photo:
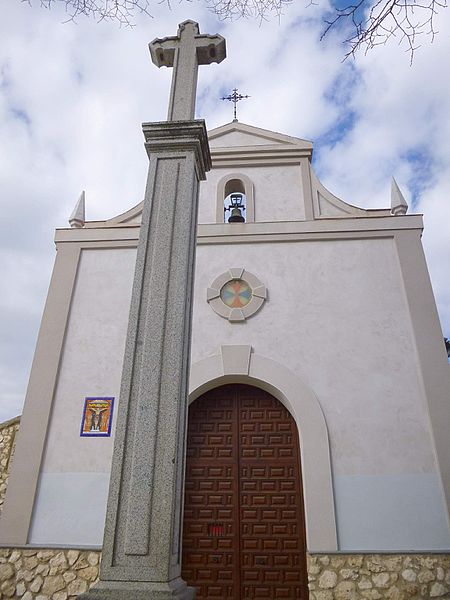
317 438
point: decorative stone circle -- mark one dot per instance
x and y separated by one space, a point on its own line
236 294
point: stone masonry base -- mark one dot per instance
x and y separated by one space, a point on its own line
378 576
56 574
8 432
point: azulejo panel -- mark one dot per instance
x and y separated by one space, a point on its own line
236 294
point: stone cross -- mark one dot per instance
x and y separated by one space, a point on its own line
142 543
185 52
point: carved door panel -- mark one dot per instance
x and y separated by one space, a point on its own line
243 521
211 517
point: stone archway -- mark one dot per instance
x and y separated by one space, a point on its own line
239 364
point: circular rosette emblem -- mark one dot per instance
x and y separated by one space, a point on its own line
236 294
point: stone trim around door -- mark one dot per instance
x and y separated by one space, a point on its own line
238 364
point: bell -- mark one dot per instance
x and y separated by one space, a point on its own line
236 216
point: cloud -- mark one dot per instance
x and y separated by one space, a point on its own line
73 97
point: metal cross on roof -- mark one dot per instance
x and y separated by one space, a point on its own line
234 98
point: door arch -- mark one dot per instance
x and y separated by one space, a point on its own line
243 534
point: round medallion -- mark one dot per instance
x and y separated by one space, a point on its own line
236 294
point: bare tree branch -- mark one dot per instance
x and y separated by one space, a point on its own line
372 22
233 9
121 11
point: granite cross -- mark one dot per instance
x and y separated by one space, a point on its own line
185 52
143 532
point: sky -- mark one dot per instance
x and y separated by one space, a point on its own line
73 96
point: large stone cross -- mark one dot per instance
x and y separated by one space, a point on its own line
143 532
185 52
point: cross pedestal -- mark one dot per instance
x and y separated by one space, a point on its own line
143 532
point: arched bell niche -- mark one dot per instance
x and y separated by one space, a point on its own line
231 185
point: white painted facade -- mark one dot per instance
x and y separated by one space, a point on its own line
343 318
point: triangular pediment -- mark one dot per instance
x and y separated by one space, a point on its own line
237 134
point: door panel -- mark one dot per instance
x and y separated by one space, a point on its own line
243 519
211 519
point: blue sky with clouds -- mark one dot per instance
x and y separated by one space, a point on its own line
73 97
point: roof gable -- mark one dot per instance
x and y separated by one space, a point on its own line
237 134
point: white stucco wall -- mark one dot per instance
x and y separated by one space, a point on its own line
278 193
73 487
336 316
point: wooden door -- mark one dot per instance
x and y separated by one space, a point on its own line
244 533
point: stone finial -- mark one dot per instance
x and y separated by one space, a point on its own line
399 206
78 217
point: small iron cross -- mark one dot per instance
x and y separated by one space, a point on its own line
234 98
185 52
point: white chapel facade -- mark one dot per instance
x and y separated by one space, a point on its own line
325 307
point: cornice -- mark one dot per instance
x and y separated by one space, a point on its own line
283 231
259 155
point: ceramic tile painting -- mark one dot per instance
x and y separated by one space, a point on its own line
97 417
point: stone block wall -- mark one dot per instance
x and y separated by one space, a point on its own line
8 432
379 576
42 574
47 574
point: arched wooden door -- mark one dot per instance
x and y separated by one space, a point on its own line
244 536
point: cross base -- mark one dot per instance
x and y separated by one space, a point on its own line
132 590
